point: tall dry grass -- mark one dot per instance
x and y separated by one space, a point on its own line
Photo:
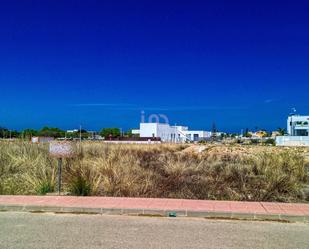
220 172
26 169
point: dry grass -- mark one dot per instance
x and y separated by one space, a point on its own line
229 172
25 169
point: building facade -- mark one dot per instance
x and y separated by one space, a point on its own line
298 125
298 132
169 133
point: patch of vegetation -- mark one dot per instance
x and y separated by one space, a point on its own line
220 172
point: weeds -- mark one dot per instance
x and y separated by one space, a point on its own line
220 172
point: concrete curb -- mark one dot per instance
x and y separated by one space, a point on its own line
155 213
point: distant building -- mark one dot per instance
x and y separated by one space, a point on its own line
298 132
259 134
42 139
298 125
135 132
169 133
72 131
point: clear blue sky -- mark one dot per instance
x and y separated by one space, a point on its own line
99 63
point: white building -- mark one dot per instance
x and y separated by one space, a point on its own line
169 133
298 125
42 139
72 131
298 132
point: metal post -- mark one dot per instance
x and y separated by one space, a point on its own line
59 174
80 133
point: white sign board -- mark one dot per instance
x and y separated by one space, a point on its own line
35 140
62 149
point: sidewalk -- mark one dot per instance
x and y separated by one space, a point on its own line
160 207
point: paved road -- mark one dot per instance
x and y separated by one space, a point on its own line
40 231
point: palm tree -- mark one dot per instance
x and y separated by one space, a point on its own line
281 131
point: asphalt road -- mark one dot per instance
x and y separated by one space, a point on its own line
28 230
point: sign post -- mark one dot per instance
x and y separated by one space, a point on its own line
60 150
59 174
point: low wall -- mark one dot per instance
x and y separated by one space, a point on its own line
292 141
131 142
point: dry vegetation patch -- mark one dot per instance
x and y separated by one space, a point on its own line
221 172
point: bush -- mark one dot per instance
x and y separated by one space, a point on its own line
231 172
26 169
270 141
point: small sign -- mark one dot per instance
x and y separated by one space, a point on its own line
35 140
62 149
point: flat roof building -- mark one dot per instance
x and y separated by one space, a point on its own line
298 125
298 132
169 133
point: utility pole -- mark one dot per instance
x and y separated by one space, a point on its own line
80 133
59 175
214 132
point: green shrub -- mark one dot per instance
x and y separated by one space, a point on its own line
270 141
45 188
79 186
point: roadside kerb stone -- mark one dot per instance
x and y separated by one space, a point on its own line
156 207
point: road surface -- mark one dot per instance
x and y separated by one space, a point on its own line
40 231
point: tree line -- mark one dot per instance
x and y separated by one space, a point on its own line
105 133
59 133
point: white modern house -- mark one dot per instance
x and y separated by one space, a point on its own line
169 133
298 125
298 132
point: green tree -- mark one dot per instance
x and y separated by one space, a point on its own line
4 132
281 131
129 133
247 133
107 132
224 135
214 131
14 134
51 132
28 133
270 141
84 134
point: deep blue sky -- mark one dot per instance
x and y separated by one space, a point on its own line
99 63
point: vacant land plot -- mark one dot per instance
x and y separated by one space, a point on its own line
221 172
